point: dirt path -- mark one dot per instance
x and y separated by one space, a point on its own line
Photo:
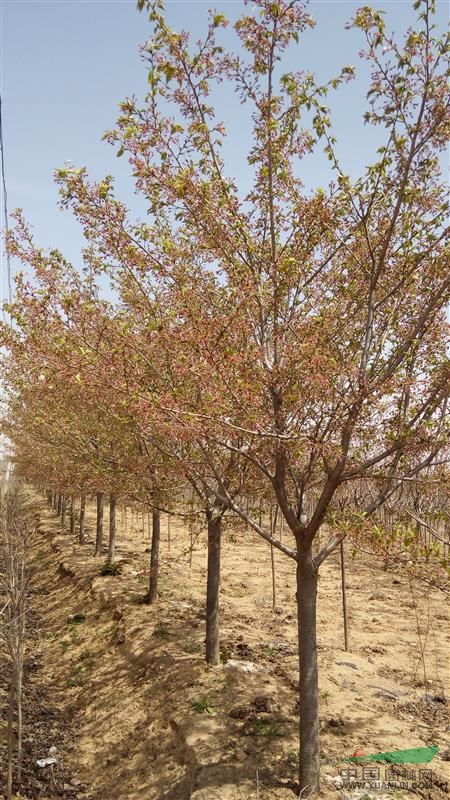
119 687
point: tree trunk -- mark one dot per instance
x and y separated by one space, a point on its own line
63 511
58 506
72 514
154 558
10 738
99 532
82 517
112 528
19 692
309 763
213 590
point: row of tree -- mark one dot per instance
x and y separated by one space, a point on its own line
272 345
18 522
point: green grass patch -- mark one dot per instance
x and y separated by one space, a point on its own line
74 680
85 655
270 728
192 647
203 706
50 637
162 631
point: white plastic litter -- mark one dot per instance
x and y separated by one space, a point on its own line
244 666
45 762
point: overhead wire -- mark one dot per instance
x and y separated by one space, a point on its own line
5 203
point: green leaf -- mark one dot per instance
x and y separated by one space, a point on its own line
219 20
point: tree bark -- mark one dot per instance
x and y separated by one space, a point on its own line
154 558
309 763
10 738
99 531
72 514
63 511
19 692
112 528
213 590
58 505
82 518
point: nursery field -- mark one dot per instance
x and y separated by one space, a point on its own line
118 694
242 334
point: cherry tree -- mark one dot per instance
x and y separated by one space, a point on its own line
68 424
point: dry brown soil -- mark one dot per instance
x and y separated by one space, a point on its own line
119 690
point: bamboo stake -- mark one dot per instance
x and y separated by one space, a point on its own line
273 525
344 596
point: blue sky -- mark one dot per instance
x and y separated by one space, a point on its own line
66 64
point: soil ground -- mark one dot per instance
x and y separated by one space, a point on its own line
118 692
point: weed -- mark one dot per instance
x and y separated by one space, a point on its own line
192 647
162 631
271 728
50 637
76 619
203 706
85 655
110 568
75 680
64 645
74 636
325 694
271 651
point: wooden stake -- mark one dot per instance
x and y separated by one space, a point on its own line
344 596
273 526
